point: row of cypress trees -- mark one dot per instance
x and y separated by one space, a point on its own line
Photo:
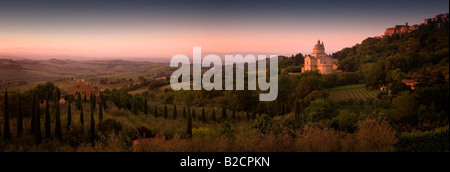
189 117
193 113
35 128
35 121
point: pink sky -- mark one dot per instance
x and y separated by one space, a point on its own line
162 29
167 44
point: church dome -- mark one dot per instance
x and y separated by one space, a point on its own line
319 46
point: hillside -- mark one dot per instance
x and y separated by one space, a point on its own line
421 56
14 70
408 55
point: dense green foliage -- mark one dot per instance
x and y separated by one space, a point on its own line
57 114
422 55
69 113
431 141
188 126
6 133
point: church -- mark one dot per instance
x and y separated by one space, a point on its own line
318 60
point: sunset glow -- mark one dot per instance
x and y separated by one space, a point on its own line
152 29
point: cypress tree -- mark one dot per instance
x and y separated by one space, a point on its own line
145 106
69 113
92 120
20 117
234 115
81 115
301 106
47 117
175 113
33 112
135 108
58 133
166 114
224 114
203 115
184 112
37 123
156 112
188 126
93 101
254 114
248 115
103 100
79 101
188 112
100 112
84 97
213 115
296 110
6 133
193 114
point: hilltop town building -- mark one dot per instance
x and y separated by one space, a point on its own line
438 18
411 83
318 60
400 29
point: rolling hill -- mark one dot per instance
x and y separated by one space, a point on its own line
30 70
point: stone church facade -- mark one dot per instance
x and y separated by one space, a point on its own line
318 60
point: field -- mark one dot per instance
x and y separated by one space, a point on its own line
21 75
45 70
352 92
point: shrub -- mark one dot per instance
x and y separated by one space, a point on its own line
347 120
143 132
156 84
109 126
115 112
263 123
405 108
287 124
225 130
202 132
375 135
319 109
75 135
381 94
316 95
315 139
431 141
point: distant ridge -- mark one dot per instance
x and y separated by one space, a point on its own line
26 69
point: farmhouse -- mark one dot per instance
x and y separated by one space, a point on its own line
62 103
83 88
411 83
